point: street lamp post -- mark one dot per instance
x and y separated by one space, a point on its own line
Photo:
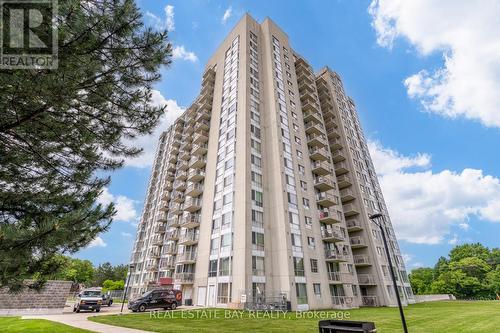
373 218
131 267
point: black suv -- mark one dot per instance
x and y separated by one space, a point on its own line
162 298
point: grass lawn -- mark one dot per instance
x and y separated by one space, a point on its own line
439 317
16 324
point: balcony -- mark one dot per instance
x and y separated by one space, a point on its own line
200 137
172 158
177 208
321 168
180 185
361 260
169 249
338 156
347 195
329 216
170 175
310 111
194 189
186 257
340 277
357 242
174 222
316 140
335 143
178 197
167 263
183 165
185 154
354 225
202 125
208 77
332 235
318 154
341 168
152 267
172 166
369 301
172 235
162 218
196 175
184 278
343 302
197 162
188 238
200 149
350 209
155 252
190 221
157 240
326 101
366 280
160 229
313 127
332 133
343 181
325 199
182 175
324 183
204 112
334 256
169 185
192 204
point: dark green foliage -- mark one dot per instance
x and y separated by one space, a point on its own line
472 271
59 129
107 271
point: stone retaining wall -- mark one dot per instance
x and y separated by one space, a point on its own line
50 300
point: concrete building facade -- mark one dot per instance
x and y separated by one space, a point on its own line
260 192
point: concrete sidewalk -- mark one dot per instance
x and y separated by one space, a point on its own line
80 320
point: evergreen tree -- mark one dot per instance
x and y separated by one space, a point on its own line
61 130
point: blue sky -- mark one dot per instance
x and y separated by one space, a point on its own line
428 99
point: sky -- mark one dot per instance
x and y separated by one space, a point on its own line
425 76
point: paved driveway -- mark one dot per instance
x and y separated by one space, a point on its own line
80 319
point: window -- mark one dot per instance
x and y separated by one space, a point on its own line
255 131
212 268
292 199
305 202
257 219
257 198
223 293
294 218
311 242
229 164
225 266
228 180
314 265
257 241
214 245
256 160
226 220
225 242
299 154
308 221
296 242
256 145
258 266
302 170
301 292
298 266
256 179
227 198
297 140
317 289
303 185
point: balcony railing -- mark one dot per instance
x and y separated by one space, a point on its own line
325 199
366 279
194 189
186 278
333 255
329 216
361 260
196 175
343 302
324 183
369 300
186 257
354 225
332 235
192 204
190 221
357 242
188 238
347 195
350 209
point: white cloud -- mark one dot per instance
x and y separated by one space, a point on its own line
125 207
160 24
227 15
169 14
467 34
454 240
149 143
179 52
126 234
97 242
424 205
407 258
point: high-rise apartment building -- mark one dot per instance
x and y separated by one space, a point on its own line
260 192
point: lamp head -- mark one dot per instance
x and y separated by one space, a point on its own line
374 216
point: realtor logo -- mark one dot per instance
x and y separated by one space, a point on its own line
28 35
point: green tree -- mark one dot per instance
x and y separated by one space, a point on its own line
472 266
493 280
457 283
469 250
106 271
80 271
113 285
421 280
60 129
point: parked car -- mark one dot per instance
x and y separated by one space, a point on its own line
107 299
159 298
88 299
